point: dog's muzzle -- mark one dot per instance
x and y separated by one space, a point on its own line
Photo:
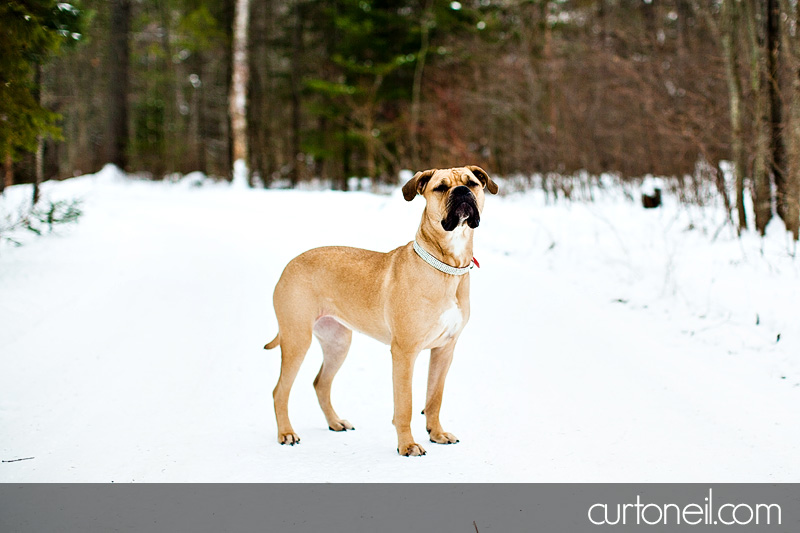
461 207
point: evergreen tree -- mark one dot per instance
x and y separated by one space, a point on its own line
31 31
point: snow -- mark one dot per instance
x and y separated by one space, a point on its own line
240 173
606 343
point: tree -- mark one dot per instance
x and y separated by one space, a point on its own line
730 27
760 177
426 23
31 32
793 187
238 97
295 81
776 124
119 82
200 37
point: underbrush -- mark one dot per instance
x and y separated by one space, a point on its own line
37 220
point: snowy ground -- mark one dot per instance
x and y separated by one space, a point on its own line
607 343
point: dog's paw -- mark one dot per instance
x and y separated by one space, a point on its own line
288 438
443 438
411 450
341 425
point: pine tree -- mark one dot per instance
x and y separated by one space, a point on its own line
31 32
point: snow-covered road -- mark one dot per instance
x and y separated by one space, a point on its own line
606 343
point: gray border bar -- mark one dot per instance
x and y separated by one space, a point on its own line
440 508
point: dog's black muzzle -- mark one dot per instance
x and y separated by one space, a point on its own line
461 207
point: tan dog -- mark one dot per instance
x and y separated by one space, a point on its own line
413 298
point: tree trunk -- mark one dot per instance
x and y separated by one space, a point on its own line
762 196
345 170
238 96
38 174
8 178
730 38
777 145
369 127
416 90
793 178
197 114
321 164
169 160
294 81
550 77
119 75
370 144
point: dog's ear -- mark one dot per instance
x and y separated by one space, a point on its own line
417 184
484 177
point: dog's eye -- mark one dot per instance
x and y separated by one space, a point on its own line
471 183
442 187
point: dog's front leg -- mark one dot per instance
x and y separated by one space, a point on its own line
437 372
402 372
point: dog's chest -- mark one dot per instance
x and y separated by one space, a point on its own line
449 324
450 320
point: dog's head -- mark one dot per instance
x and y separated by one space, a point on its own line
454 195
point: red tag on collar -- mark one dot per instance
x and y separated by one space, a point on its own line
476 262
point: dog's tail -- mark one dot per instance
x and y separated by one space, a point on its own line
274 342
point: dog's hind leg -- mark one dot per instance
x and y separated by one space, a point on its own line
295 342
335 341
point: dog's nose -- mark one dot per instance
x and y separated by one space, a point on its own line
460 190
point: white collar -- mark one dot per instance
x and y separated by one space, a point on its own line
438 265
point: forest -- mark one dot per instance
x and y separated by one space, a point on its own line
302 89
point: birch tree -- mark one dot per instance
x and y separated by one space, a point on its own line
238 95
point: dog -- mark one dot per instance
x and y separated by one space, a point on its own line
413 298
